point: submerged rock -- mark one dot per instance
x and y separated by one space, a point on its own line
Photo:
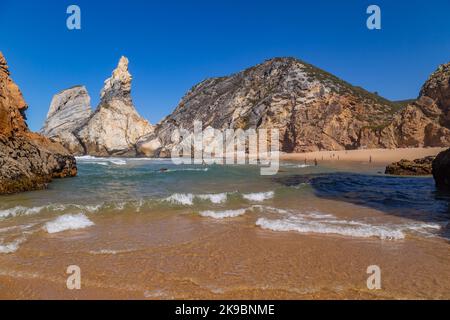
441 170
69 111
418 167
28 161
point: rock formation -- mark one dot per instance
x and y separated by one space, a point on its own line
425 121
112 130
69 111
441 170
419 167
115 126
28 161
312 109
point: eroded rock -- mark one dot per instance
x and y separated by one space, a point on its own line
69 111
28 161
115 126
418 167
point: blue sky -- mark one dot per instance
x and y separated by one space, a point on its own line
172 45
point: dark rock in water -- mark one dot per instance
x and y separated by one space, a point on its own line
28 161
418 167
441 170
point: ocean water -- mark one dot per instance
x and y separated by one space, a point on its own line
119 207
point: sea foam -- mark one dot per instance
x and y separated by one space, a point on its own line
187 199
19 210
259 196
223 214
68 222
11 247
338 227
214 198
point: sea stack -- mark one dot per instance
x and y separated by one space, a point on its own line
115 126
69 111
28 161
112 130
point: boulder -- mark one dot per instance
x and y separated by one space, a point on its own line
418 167
441 170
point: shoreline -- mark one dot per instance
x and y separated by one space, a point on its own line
378 156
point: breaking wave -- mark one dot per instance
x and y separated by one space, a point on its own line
259 196
321 223
68 222
11 247
345 228
223 214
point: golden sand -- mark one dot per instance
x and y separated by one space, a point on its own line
381 156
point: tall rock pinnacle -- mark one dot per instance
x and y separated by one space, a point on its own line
119 85
115 126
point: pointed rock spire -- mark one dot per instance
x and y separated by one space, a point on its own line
118 86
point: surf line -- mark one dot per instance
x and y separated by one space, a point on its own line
186 310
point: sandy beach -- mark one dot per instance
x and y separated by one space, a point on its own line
380 156
226 232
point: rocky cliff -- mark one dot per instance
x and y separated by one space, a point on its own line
425 122
28 161
69 111
312 109
112 130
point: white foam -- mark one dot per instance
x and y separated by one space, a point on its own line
101 163
188 169
214 198
294 165
68 222
259 196
359 230
118 162
12 246
109 252
19 210
223 214
186 199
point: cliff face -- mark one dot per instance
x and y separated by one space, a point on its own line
69 111
425 122
312 109
112 130
28 161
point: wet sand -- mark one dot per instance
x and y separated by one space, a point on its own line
176 253
380 156
139 256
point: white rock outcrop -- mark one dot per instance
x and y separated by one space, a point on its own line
113 129
69 111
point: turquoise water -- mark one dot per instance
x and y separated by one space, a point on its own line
351 200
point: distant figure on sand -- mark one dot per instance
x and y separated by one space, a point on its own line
315 162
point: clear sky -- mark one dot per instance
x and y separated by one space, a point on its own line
172 45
